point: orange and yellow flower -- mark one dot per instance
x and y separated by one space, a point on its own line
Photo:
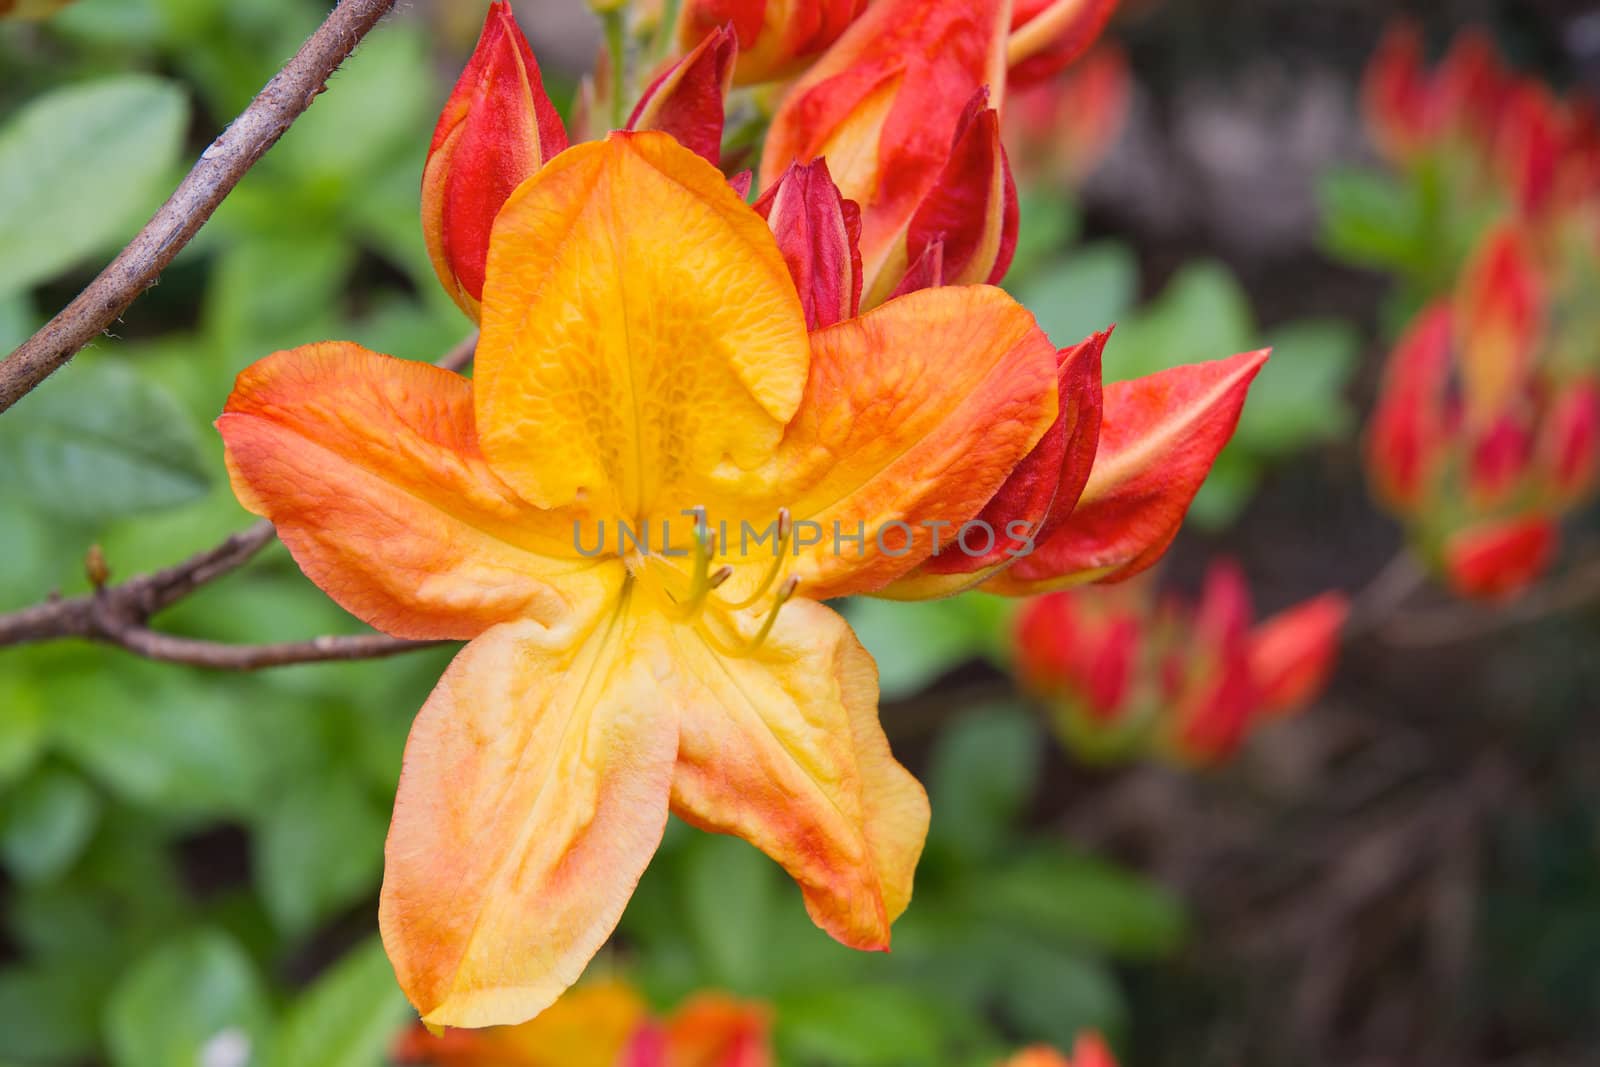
606 1024
1090 1050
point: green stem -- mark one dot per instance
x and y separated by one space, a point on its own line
617 44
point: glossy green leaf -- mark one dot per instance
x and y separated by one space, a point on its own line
97 441
319 849
45 825
194 1001
984 772
1083 293
349 1018
78 169
1083 900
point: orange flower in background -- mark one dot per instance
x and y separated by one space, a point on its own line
1128 673
606 1024
497 129
1090 1050
776 37
1487 428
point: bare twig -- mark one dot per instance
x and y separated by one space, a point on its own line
119 614
1568 592
139 265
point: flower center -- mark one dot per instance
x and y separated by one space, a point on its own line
698 597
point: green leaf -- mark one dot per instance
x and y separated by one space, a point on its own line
1299 397
50 1015
861 1026
46 824
1052 224
274 292
915 643
21 725
77 169
168 741
194 995
1371 219
319 849
1203 314
1082 293
16 320
1051 996
985 771
98 441
349 1018
1083 900
730 891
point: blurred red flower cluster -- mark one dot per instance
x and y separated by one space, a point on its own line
1127 673
1488 423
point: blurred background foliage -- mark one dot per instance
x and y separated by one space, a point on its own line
189 861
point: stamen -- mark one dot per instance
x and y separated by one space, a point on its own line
703 582
779 556
785 594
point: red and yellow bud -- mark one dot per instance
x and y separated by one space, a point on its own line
1498 560
1411 431
498 128
1499 322
965 230
777 38
819 234
688 100
1127 672
1570 445
1499 460
1159 437
1047 35
1037 498
1531 144
1081 654
710 1030
1062 130
883 106
1292 654
1396 93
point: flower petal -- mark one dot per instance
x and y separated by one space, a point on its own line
784 749
369 467
533 793
688 99
916 413
1293 653
1159 436
642 342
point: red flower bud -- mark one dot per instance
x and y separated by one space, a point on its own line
1500 457
883 106
967 224
1410 428
688 99
1293 653
497 129
1500 559
819 234
1571 443
1047 35
777 38
1499 319
1396 93
1062 130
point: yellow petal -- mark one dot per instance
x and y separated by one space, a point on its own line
915 415
643 344
784 749
534 791
369 466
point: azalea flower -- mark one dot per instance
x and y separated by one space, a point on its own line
1090 1050
644 362
606 1024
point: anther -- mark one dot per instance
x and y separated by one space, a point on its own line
785 529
